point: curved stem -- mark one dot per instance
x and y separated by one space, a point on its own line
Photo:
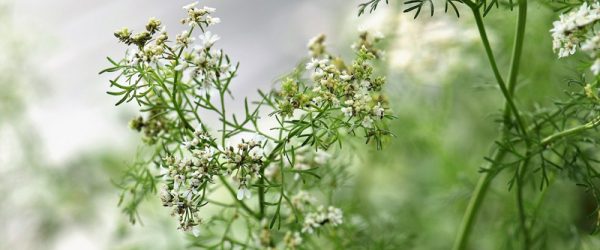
592 124
486 178
490 54
475 202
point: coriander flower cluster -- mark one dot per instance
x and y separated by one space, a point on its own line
244 162
576 28
186 179
351 89
152 46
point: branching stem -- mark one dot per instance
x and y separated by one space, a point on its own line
510 107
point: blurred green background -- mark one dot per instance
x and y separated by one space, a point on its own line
62 141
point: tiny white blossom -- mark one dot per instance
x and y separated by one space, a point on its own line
345 76
213 20
208 39
209 9
181 66
367 122
243 193
378 110
196 231
313 64
347 111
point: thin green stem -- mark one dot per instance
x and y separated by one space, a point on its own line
232 192
516 54
520 203
575 130
496 71
512 82
486 178
476 198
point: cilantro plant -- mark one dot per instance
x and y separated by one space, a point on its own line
264 177
243 184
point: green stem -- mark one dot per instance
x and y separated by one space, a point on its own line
592 124
486 178
490 54
261 193
516 54
232 192
475 202
512 82
520 204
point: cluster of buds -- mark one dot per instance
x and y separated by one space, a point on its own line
199 15
151 129
141 38
146 50
244 161
312 221
353 89
206 66
302 200
577 28
316 46
201 139
368 41
187 178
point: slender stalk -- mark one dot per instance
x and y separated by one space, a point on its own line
490 54
520 204
475 202
486 178
516 54
261 193
232 192
512 82
592 124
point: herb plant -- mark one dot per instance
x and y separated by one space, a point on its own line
265 178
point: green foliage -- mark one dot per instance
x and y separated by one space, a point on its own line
208 176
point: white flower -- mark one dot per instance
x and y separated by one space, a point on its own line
208 39
196 231
596 67
378 110
191 5
345 76
592 45
243 192
567 32
181 66
347 111
367 122
335 216
209 9
213 20
313 64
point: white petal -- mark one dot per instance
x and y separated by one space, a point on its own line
196 231
240 194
